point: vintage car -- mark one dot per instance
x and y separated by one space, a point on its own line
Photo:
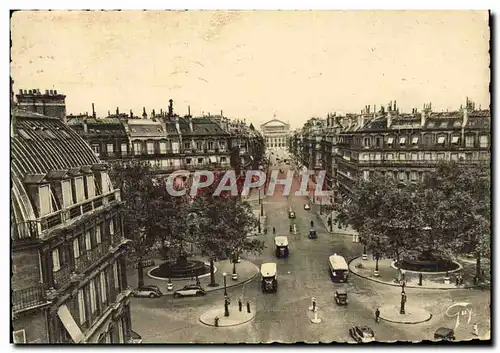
147 292
313 234
189 290
445 334
341 296
362 334
281 243
307 207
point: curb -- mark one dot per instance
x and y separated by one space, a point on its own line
406 286
227 286
407 323
232 325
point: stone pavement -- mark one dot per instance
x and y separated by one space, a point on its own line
246 271
235 317
412 315
389 275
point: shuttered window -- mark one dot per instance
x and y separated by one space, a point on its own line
79 190
45 200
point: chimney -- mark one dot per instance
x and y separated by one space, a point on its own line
85 126
117 111
189 110
108 113
161 112
131 114
144 114
389 118
153 114
170 108
395 106
423 116
221 113
190 124
93 111
465 117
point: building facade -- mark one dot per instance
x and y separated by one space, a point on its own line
68 281
405 146
275 133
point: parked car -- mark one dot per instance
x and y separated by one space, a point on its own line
362 334
307 207
135 338
445 334
189 290
148 291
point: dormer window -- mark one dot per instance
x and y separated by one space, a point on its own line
366 142
483 141
67 193
163 147
455 139
150 147
414 140
105 182
402 140
441 140
390 140
45 200
90 186
137 148
24 134
79 190
110 148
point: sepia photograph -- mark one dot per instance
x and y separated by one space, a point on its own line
250 177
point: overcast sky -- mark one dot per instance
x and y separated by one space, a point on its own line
252 65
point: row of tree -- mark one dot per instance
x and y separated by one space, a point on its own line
446 215
213 224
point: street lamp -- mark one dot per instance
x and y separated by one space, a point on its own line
225 287
235 260
377 257
365 255
403 299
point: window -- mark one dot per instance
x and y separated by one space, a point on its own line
428 139
454 156
402 176
110 148
402 156
79 190
188 160
76 248
81 306
483 141
150 147
413 176
137 148
414 140
98 238
365 157
19 336
102 279
469 141
45 200
115 275
93 303
390 140
199 146
105 183
366 142
441 140
222 145
90 186
187 145
96 148
414 157
210 145
389 156
402 140
163 147
88 241
223 159
440 156
111 227
175 147
455 139
123 148
366 174
120 331
67 194
427 156
56 264
378 156
484 156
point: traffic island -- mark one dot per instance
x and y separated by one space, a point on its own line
235 317
412 315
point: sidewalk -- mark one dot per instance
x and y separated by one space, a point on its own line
246 271
389 275
335 229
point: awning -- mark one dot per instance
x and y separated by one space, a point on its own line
70 324
414 140
213 159
402 140
441 139
390 140
454 139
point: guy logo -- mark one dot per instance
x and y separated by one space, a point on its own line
460 310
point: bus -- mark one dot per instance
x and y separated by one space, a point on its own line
339 270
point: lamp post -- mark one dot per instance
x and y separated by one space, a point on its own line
403 300
377 257
365 255
235 260
225 287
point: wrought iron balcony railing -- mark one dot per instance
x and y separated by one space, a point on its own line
28 297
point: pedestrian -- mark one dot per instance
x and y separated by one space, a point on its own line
377 315
274 230
461 280
291 228
457 280
312 224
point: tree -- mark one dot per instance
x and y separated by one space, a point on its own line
460 200
235 160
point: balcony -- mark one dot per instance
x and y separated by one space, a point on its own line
62 276
33 229
91 256
28 297
410 162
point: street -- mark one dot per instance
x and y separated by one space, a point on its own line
284 316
